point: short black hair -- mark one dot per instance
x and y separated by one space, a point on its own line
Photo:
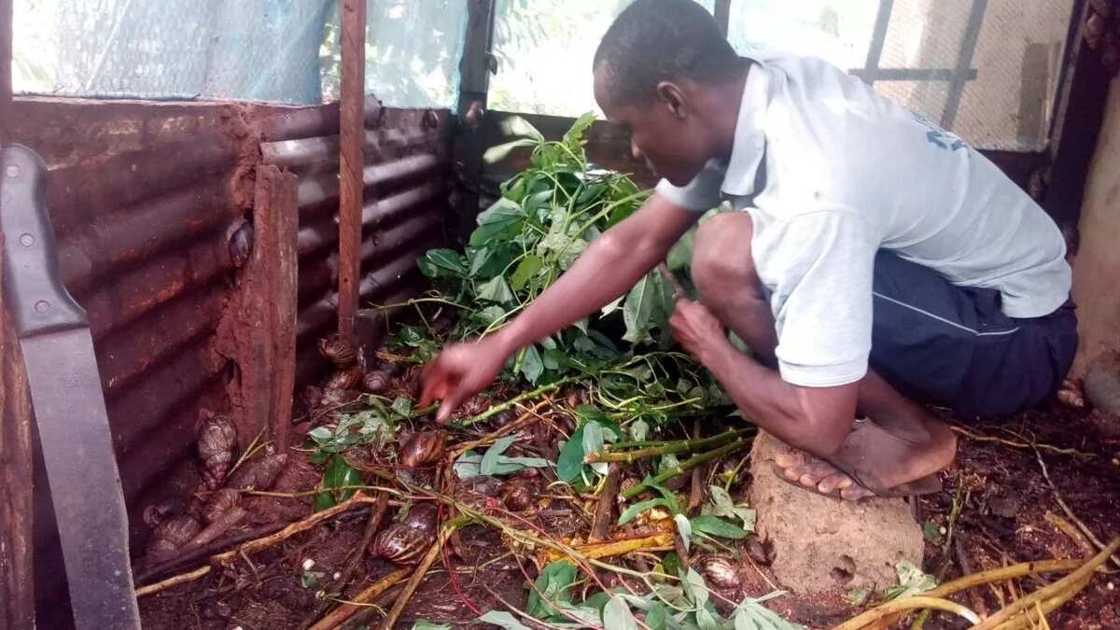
662 40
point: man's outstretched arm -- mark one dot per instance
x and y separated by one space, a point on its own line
610 266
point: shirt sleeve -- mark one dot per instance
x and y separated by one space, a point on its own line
821 267
699 195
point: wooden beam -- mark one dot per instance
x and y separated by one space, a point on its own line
723 15
17 584
351 161
5 68
477 64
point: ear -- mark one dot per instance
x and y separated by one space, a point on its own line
674 98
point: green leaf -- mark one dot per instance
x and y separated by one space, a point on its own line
495 290
722 500
424 624
499 152
680 255
526 270
490 459
684 529
532 366
705 620
750 614
612 306
442 263
503 619
617 615
338 474
715 526
639 430
695 588
468 465
574 138
402 406
517 126
911 581
931 532
569 465
597 601
634 510
554 583
656 617
500 221
593 443
637 310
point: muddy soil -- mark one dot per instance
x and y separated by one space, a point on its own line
1005 514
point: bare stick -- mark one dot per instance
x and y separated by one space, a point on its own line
347 573
696 492
187 557
339 615
604 511
903 605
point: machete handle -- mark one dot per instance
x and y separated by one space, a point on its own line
38 301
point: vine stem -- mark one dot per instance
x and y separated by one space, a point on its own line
685 466
677 446
513 402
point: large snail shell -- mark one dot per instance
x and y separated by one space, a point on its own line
258 474
217 441
172 534
220 502
422 449
718 571
337 351
376 381
346 378
400 543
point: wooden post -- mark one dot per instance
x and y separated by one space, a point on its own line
5 67
17 578
351 141
474 85
723 15
17 584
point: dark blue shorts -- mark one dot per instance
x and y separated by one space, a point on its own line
952 346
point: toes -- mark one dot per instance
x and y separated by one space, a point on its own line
855 492
788 460
837 481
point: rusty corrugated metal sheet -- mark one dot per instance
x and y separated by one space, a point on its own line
407 177
143 197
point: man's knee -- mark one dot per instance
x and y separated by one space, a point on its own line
722 265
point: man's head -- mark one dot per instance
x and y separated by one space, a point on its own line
663 70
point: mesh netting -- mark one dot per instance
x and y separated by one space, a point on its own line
245 49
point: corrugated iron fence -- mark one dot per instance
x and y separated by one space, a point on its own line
154 208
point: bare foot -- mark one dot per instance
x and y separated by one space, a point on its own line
819 476
875 461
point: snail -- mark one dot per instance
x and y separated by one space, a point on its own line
422 449
258 474
346 378
156 513
405 541
718 571
241 244
338 351
171 534
376 381
220 502
217 440
517 497
334 398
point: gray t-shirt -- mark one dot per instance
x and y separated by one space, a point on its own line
848 172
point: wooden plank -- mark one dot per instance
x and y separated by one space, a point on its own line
5 68
278 218
351 141
474 86
17 584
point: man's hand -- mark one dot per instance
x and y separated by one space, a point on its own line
459 372
696 329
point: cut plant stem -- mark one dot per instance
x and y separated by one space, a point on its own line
641 444
684 467
675 446
513 402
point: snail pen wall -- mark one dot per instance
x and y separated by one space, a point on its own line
158 210
407 186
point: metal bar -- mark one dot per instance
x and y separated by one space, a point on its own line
351 139
912 74
722 14
309 122
878 38
964 61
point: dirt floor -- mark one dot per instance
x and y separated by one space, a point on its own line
1005 512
